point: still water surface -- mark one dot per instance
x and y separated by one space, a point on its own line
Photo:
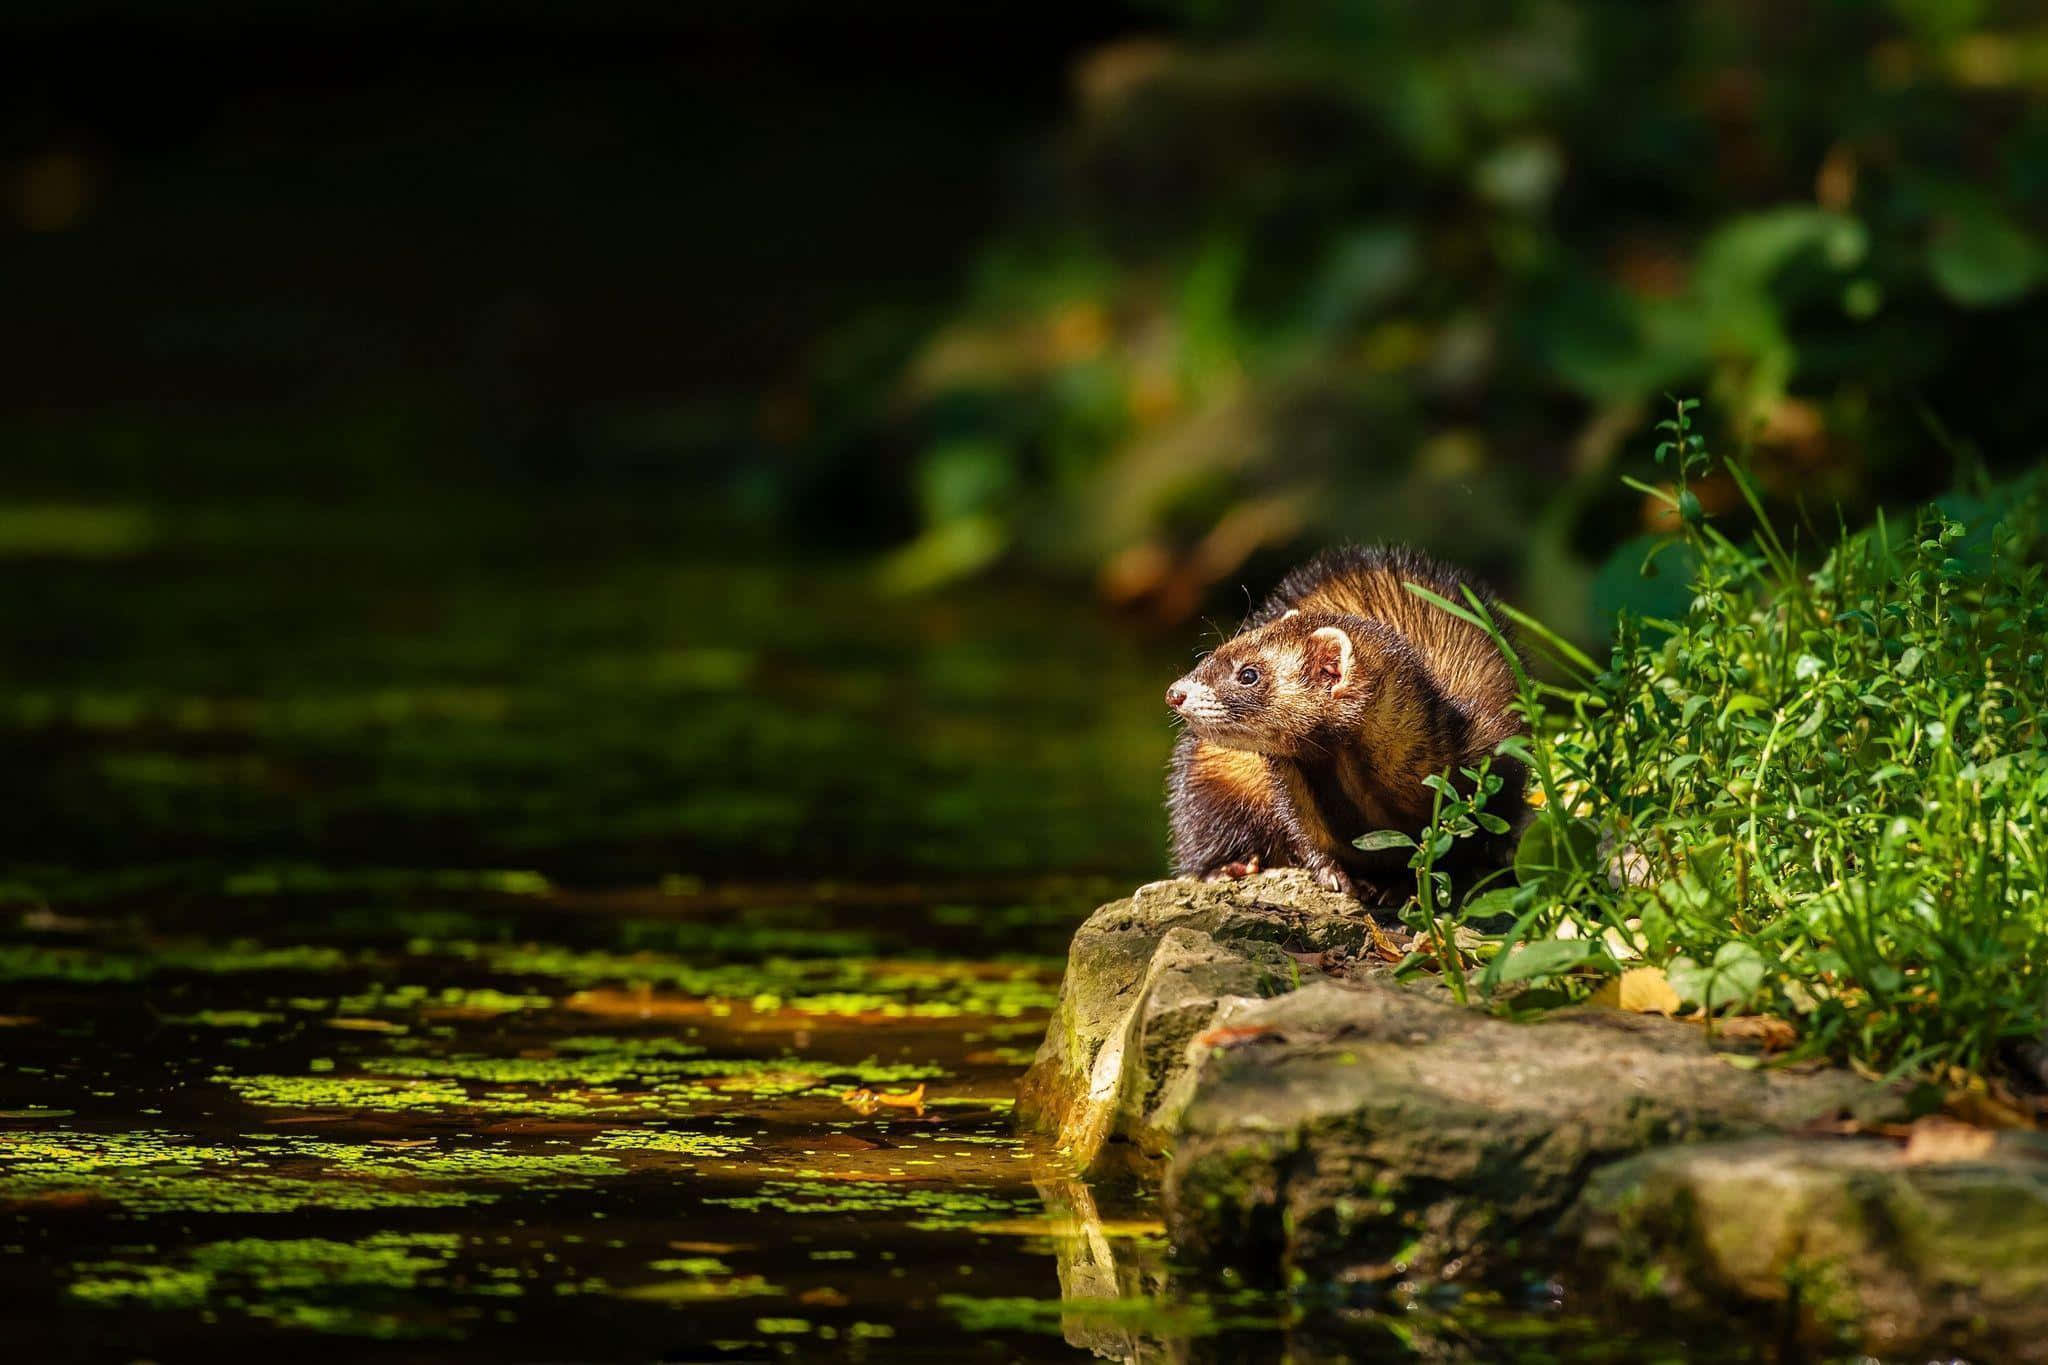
597 957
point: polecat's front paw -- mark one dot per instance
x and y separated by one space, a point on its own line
1334 877
1231 872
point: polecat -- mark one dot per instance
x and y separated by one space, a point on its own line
1319 721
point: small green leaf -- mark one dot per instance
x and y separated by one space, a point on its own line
1489 904
1382 839
1546 957
1736 973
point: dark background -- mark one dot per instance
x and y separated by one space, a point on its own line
630 439
1057 288
515 241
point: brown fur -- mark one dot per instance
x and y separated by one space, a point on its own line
1357 691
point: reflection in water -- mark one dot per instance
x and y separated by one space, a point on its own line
1105 1264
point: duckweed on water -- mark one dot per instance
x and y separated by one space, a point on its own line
827 986
697 1279
671 1081
928 1209
231 1019
352 1288
162 1172
88 966
665 1140
156 1172
456 1164
588 1069
345 1092
457 999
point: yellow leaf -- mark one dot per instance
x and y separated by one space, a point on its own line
1639 990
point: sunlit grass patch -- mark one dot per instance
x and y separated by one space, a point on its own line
1820 794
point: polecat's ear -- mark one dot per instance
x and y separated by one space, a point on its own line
1331 659
1291 611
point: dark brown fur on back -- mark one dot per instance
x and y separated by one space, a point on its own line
1299 741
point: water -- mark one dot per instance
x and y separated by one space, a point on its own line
512 947
408 959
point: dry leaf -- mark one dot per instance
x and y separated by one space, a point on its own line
1383 943
1639 990
1771 1034
864 1101
1940 1138
1228 1036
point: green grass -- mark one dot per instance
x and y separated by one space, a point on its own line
1819 794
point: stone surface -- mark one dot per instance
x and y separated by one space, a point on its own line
1312 1119
1367 1130
1144 977
1836 1243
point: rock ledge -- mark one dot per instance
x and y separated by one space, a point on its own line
1310 1118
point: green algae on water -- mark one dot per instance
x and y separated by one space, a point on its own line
357 1288
158 1172
671 1142
926 1208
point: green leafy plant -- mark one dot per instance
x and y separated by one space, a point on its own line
1820 793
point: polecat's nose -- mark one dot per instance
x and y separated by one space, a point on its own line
1175 695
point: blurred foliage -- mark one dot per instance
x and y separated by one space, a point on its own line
1337 269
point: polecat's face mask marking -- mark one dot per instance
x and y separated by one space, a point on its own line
1271 690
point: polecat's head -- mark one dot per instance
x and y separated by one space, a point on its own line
1285 687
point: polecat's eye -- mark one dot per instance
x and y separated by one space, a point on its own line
1248 675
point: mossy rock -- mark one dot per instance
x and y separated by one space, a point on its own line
1365 1129
1331 1126
1147 975
1841 1244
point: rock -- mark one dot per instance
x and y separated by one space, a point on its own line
1315 1121
1844 1244
1372 1131
1144 977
